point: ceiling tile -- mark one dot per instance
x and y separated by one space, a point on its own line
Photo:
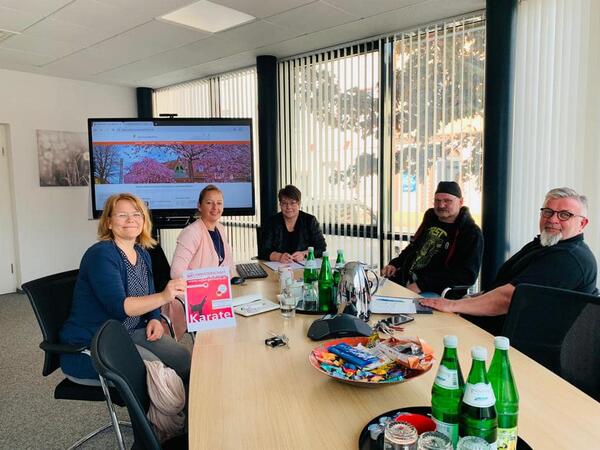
14 20
141 42
79 64
54 48
310 18
256 34
41 8
200 52
262 8
364 8
52 29
291 47
100 16
19 57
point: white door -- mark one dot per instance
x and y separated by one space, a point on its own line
8 278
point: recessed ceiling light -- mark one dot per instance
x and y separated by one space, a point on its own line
207 16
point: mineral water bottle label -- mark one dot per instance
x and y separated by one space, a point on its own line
507 438
449 429
479 395
339 266
310 264
447 378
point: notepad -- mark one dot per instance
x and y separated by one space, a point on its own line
392 305
243 299
255 307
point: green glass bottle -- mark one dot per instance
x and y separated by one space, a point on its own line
337 275
507 397
447 391
311 277
477 409
325 285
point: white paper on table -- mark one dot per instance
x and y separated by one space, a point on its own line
392 305
274 265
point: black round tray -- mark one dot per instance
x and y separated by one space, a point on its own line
313 313
366 443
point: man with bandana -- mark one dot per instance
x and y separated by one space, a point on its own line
558 257
446 249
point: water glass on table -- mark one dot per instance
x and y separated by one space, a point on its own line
287 305
285 273
472 443
434 440
400 436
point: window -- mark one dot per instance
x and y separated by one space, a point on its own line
367 132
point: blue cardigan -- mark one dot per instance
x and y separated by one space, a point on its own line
99 295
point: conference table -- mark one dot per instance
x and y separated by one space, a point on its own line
246 395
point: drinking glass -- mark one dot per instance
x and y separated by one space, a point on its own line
287 305
472 443
434 440
400 436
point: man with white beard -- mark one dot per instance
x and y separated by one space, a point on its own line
558 257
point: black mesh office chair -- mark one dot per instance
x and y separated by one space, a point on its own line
559 329
116 359
51 299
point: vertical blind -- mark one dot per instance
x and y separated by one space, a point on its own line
437 125
233 95
329 143
556 111
367 131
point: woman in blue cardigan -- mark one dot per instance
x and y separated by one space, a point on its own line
115 282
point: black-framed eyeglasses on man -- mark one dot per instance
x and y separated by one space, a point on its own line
563 215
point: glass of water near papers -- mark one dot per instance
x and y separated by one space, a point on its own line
287 305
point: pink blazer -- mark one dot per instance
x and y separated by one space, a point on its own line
195 250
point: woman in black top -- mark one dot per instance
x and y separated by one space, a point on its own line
288 234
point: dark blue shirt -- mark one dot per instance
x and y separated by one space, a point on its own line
100 292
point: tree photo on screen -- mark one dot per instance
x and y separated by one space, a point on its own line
172 163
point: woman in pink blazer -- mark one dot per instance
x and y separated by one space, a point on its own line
201 244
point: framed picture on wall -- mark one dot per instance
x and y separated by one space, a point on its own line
63 158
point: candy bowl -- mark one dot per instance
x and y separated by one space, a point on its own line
372 362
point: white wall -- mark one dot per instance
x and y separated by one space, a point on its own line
52 226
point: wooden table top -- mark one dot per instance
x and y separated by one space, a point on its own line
245 395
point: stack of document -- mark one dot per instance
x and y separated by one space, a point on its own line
392 305
252 304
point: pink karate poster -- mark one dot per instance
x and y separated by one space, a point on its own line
208 299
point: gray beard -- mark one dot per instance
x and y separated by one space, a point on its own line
548 240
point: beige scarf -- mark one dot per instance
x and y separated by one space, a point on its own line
167 399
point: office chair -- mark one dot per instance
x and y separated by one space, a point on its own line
161 274
117 361
455 292
51 299
559 329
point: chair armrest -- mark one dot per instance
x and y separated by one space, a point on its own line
454 288
62 348
169 324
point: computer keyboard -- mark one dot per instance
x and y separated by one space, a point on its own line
251 270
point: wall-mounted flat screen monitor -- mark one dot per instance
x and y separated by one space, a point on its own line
167 162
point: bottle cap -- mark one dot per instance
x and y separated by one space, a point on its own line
501 342
450 341
311 249
479 353
325 253
340 251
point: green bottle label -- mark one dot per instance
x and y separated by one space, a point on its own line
507 439
479 395
447 378
449 429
